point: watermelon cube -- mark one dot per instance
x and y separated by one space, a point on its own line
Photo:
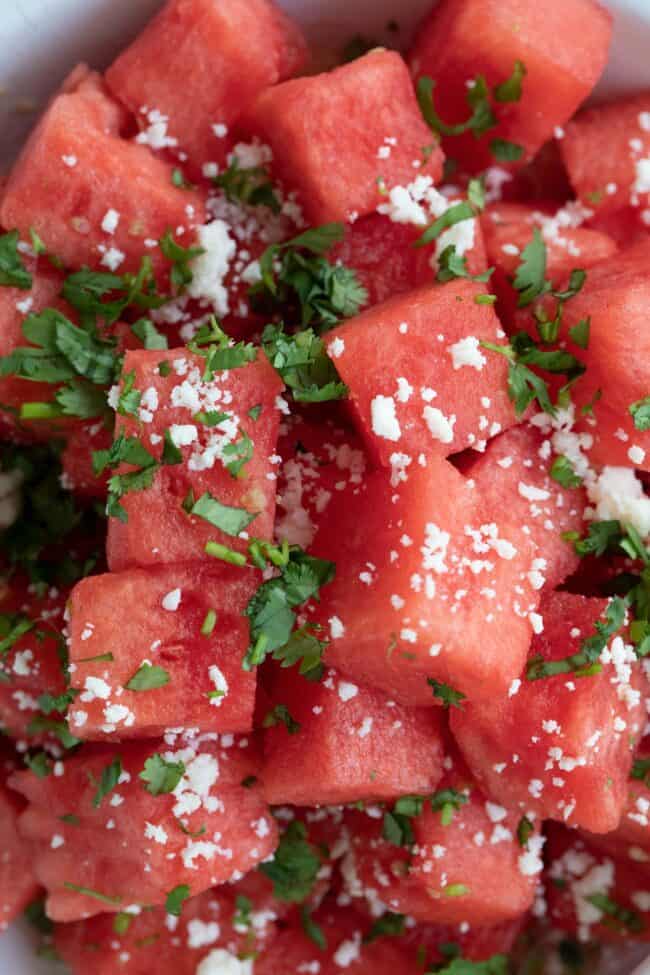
139 944
352 743
123 624
561 746
432 586
77 461
225 430
462 39
93 197
476 943
339 138
105 838
517 465
18 883
606 150
236 49
466 865
592 896
419 381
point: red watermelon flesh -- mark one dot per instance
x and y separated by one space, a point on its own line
563 46
18 883
543 178
76 461
76 169
236 48
517 465
135 847
158 528
624 226
353 743
475 943
430 583
419 381
156 941
561 745
156 617
606 150
366 109
577 875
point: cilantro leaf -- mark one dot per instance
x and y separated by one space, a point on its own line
580 333
480 121
446 694
562 471
145 330
586 661
303 364
640 412
496 965
180 258
148 677
39 723
13 273
81 399
280 714
48 703
238 454
125 450
524 830
171 454
452 265
305 648
94 894
160 776
641 770
602 536
231 521
388 925
511 89
250 186
220 352
621 916
530 277
313 931
453 215
506 151
176 898
295 865
108 781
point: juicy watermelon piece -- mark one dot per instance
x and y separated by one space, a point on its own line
236 48
470 869
32 665
606 151
18 883
353 743
293 952
77 461
543 178
368 110
625 226
430 583
561 746
139 849
462 39
157 528
419 381
157 616
517 465
75 169
591 895
156 941
475 943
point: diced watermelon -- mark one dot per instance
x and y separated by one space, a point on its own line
561 746
475 943
419 381
517 465
152 940
563 46
75 170
236 48
630 841
353 743
77 460
543 178
293 952
367 110
625 226
18 883
32 664
593 896
606 151
158 529
470 869
508 229
430 583
15 305
157 617
134 846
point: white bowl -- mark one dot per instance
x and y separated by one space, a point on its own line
40 40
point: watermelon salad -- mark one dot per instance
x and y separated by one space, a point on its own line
324 524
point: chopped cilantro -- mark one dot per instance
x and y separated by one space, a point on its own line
108 781
313 931
219 351
453 215
446 694
388 925
94 894
238 454
480 121
35 914
231 521
601 537
580 333
125 450
40 764
252 187
129 398
562 471
621 916
255 412
180 258
303 364
13 273
160 776
505 151
122 922
640 412
641 770
218 551
452 265
530 278
145 330
171 454
280 714
39 723
179 181
496 965
148 677
524 830
176 898
48 703
304 648
586 661
511 89
295 865
243 910
209 623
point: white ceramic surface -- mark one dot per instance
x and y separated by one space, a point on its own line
40 40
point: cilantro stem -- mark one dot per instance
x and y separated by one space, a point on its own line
218 551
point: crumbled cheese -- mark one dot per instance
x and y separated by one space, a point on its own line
110 221
172 600
222 962
384 419
209 269
467 352
441 427
617 494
